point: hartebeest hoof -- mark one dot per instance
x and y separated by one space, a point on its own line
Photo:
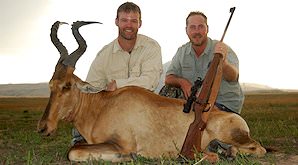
211 157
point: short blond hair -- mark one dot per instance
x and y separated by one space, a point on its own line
196 13
128 7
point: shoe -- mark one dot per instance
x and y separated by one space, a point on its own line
77 138
76 142
222 149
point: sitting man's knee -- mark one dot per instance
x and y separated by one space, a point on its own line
172 92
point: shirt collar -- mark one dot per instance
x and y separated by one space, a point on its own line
117 46
207 50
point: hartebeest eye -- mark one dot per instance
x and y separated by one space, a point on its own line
67 86
252 148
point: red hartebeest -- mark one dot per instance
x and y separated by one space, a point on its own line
130 120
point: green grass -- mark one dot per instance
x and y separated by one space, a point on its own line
20 142
272 118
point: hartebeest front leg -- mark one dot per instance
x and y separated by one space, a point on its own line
103 151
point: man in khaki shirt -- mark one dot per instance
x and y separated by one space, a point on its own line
131 59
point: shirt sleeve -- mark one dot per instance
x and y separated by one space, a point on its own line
151 69
175 66
96 75
232 58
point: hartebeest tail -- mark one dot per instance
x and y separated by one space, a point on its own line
130 120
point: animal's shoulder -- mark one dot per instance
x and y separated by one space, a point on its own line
135 91
143 94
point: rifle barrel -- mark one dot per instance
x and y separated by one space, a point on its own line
232 12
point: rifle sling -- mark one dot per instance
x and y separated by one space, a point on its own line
205 102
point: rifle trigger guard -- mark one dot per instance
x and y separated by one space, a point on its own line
207 108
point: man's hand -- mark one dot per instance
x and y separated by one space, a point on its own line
230 72
186 87
179 82
222 49
111 86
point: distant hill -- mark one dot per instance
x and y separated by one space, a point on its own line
42 89
257 88
25 90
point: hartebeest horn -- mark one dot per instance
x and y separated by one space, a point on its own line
74 56
60 47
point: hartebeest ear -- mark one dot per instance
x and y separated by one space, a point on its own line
87 88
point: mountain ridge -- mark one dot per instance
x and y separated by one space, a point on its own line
42 89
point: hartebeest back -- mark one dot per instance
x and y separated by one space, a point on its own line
130 120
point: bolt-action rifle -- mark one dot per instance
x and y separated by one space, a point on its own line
203 103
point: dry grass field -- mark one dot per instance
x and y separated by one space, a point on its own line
272 118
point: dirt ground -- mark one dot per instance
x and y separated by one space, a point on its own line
282 159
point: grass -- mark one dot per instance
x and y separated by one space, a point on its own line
272 118
20 142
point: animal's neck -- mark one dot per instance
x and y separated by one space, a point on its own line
87 111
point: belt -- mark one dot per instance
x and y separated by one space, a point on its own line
224 108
